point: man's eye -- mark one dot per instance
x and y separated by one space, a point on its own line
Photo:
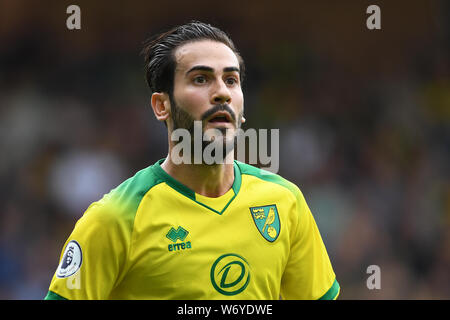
231 81
200 79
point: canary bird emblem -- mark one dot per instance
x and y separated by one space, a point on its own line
267 221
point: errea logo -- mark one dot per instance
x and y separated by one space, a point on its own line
181 234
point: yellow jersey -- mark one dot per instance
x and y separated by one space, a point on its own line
154 238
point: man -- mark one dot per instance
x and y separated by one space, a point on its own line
192 230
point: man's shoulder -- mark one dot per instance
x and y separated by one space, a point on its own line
266 176
123 200
138 185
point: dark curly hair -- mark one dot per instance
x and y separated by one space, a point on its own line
159 51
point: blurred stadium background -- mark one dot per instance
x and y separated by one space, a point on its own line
363 118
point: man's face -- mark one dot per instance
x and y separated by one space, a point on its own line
207 87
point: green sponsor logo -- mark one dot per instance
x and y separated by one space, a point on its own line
179 246
230 274
267 221
174 235
178 234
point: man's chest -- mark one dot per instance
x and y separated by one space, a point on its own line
185 250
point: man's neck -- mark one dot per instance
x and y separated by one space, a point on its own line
207 180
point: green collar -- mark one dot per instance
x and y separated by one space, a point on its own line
184 190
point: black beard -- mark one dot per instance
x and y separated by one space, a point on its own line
183 120
180 118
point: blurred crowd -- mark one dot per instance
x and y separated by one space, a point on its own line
369 149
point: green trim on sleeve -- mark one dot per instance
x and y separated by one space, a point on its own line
268 176
53 296
333 292
131 191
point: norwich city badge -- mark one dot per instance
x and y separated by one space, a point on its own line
267 221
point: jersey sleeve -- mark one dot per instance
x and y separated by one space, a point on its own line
93 256
308 274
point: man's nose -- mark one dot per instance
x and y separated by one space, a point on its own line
221 93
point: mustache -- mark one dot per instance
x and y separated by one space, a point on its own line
219 107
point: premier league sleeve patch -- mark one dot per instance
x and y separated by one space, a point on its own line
71 260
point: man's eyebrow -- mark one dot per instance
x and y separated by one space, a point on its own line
231 69
201 68
209 69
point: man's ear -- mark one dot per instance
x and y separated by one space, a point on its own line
161 105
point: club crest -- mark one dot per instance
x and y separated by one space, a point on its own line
267 221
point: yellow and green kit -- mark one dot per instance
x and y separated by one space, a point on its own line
154 238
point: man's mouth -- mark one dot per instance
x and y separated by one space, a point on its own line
220 117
